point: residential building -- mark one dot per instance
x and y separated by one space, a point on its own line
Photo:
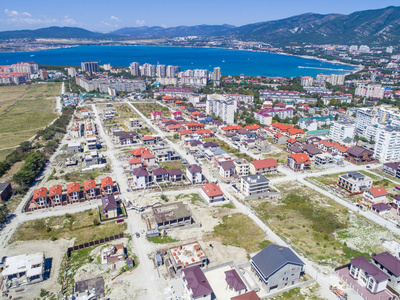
252 295
140 177
175 175
265 116
254 186
226 169
280 139
172 215
109 206
196 283
90 67
5 191
73 192
370 91
298 161
277 267
264 166
368 275
341 130
390 265
107 185
90 190
391 168
160 175
354 182
375 195
242 167
211 193
225 109
113 255
234 282
262 145
359 155
23 269
40 196
194 173
365 117
387 143
55 194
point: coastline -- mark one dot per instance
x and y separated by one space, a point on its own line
357 68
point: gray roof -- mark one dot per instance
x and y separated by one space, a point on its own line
392 165
357 151
159 171
362 263
381 206
274 257
173 172
3 186
255 179
141 171
226 165
388 261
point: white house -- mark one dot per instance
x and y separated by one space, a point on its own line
211 193
194 173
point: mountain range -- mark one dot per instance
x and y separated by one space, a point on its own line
378 26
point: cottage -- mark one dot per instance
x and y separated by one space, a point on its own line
226 169
194 173
390 265
148 158
252 295
148 140
391 168
368 275
89 188
73 192
156 115
110 206
375 195
262 145
196 283
140 177
135 163
298 162
234 282
264 166
107 185
381 208
242 167
211 192
160 175
277 267
172 215
40 196
175 175
55 194
280 139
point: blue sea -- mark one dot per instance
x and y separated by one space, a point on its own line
232 62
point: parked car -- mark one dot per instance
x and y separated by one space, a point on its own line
120 221
137 234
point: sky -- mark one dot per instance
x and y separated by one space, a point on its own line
106 16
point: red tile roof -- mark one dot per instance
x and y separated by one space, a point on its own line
176 126
293 131
147 155
90 184
231 127
42 192
184 132
278 135
378 191
154 113
168 98
194 124
106 181
291 140
252 295
264 163
252 127
72 187
300 158
57 189
211 189
139 151
147 138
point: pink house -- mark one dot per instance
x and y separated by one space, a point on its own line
155 115
176 114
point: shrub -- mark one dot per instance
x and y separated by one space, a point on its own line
96 222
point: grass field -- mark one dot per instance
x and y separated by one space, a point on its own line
148 108
240 231
29 110
79 226
319 227
162 239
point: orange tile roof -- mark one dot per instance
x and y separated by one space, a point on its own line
176 126
264 163
139 151
196 113
281 126
295 131
57 189
147 138
90 184
211 189
231 127
194 124
202 131
168 98
378 191
184 132
147 155
42 192
300 158
134 161
72 187
178 102
252 127
278 135
106 181
181 107
291 140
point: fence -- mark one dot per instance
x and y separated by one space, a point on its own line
94 243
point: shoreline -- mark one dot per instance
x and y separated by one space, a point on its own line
357 68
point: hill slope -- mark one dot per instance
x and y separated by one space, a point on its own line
380 26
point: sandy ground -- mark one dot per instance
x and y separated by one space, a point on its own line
55 250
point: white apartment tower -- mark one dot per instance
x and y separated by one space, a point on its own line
387 143
365 117
161 71
171 71
370 91
341 130
225 109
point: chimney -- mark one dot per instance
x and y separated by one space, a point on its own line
281 249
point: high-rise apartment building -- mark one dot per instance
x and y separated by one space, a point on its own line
161 71
364 117
370 91
387 143
341 130
134 68
225 109
90 67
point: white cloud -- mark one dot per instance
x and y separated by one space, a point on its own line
11 13
163 26
69 21
114 18
140 22
111 21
